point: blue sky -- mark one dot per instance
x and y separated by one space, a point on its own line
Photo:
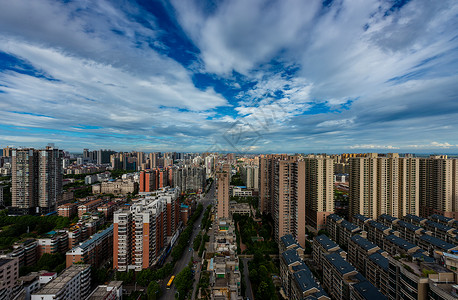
256 76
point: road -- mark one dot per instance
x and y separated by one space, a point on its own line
169 294
248 290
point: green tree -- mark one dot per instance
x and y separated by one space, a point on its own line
183 282
263 291
153 291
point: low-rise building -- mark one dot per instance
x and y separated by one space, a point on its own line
441 231
89 207
409 231
239 208
397 246
26 252
359 250
93 251
431 243
377 271
323 245
361 221
73 284
9 272
110 291
415 220
67 210
54 242
376 232
387 220
411 279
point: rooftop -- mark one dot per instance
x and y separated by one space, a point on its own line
348 225
402 243
4 261
439 226
290 256
388 218
54 286
440 218
363 243
326 242
368 291
361 217
341 265
419 255
408 226
334 217
288 240
438 243
414 218
304 280
379 259
378 226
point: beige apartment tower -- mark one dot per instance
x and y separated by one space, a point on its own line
384 185
316 178
439 186
223 181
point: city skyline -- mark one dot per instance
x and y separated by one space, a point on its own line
232 76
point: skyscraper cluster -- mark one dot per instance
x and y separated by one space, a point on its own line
297 191
397 186
36 180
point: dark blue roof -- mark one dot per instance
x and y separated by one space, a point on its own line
439 226
349 226
440 218
415 218
361 217
301 266
291 256
408 226
367 291
388 218
334 217
304 280
401 243
421 256
438 243
341 265
378 226
326 242
363 243
379 259
288 240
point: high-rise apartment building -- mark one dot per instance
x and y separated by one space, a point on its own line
36 180
285 199
223 181
24 181
398 186
384 185
297 192
140 232
439 186
315 183
50 176
7 151
250 175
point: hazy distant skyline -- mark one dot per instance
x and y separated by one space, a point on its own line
260 76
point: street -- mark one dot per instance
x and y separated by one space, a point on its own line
169 294
248 290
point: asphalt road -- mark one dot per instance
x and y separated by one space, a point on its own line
169 294
248 290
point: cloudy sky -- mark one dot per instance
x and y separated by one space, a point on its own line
258 76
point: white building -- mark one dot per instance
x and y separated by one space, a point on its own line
73 284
